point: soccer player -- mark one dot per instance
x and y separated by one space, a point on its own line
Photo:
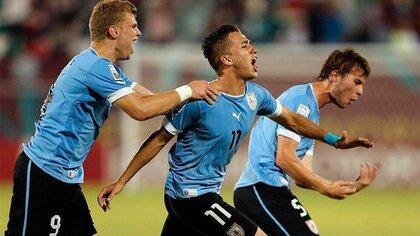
47 198
208 137
277 153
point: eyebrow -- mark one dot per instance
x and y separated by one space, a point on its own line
246 41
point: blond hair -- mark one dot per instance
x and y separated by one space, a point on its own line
107 13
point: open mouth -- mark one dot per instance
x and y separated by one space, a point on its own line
253 63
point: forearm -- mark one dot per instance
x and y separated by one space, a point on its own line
301 125
145 107
142 108
159 104
150 148
142 90
302 176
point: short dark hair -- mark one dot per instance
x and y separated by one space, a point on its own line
107 13
344 62
214 44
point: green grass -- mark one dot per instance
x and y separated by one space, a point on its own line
371 212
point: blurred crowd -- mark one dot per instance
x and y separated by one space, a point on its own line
45 33
38 37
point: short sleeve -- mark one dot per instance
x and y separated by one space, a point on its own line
298 104
181 118
106 80
268 106
127 80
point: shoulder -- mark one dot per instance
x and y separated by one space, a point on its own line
297 92
253 87
298 99
258 91
101 64
202 106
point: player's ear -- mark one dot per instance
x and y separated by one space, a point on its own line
113 32
226 60
333 78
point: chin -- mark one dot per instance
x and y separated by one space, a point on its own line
250 77
342 106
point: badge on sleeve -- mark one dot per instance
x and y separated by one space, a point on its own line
116 75
303 110
252 100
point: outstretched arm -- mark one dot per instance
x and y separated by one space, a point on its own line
367 175
142 90
287 160
141 107
148 150
306 127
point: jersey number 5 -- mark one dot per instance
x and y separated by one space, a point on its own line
297 206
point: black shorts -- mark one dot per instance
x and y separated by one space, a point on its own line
207 214
43 205
274 209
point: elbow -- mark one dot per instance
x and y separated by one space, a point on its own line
141 114
283 161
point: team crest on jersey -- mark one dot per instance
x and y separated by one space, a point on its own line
235 230
252 100
303 110
115 74
312 226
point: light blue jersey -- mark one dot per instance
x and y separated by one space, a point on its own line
261 165
208 137
76 107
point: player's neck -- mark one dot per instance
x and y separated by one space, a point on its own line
230 85
322 92
103 49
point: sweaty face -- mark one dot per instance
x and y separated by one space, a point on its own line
347 88
243 56
129 33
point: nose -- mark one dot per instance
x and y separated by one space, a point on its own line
253 49
360 90
138 32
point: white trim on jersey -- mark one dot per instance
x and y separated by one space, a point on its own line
133 85
169 127
310 152
289 134
119 94
278 111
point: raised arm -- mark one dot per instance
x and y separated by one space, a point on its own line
287 160
142 107
148 150
142 90
303 126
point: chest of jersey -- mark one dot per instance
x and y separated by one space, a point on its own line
227 123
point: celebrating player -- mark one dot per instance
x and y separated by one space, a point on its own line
208 137
47 198
276 152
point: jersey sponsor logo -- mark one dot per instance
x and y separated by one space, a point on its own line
237 116
116 75
190 192
235 230
71 174
312 226
252 100
303 110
